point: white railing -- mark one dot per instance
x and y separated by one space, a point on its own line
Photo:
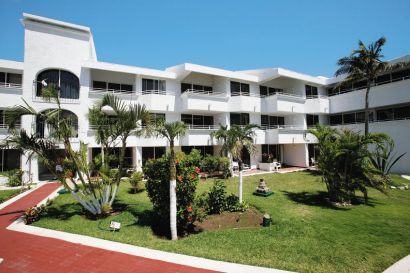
370 122
283 94
204 93
157 92
11 85
284 127
316 97
203 127
6 126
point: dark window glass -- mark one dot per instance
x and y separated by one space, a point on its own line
349 118
264 120
208 120
335 119
147 153
187 119
68 83
186 149
281 120
273 120
235 88
208 89
198 87
126 87
360 84
271 153
235 119
312 120
383 79
244 89
147 85
2 77
50 76
384 114
14 78
360 117
208 150
399 75
263 90
402 112
311 91
244 119
197 120
99 85
185 87
159 152
114 86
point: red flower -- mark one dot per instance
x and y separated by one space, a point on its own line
177 161
189 219
180 178
193 176
197 170
189 209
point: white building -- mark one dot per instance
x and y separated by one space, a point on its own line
283 102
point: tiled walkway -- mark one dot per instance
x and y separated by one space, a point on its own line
29 253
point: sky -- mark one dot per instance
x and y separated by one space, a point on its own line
306 36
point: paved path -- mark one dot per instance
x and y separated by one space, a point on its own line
23 252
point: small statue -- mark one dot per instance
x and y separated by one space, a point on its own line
262 189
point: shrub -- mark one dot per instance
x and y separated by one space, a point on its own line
136 181
14 177
216 201
213 164
157 185
33 214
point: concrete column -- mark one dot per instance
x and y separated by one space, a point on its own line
256 157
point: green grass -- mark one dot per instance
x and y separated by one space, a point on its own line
7 194
306 236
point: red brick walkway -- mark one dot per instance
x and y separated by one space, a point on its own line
29 253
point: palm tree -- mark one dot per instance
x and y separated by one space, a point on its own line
221 135
365 63
171 131
128 122
234 141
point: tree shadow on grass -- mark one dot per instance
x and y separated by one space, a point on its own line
63 212
321 199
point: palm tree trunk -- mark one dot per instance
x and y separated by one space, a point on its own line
366 110
240 180
172 193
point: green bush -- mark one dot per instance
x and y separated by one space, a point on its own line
216 165
157 185
136 181
14 177
216 201
33 214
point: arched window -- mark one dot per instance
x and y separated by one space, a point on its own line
67 82
44 130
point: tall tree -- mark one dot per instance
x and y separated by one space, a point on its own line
171 131
234 141
365 63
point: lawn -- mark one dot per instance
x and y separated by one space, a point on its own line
7 194
306 236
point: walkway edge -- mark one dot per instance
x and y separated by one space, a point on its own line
175 258
402 266
21 195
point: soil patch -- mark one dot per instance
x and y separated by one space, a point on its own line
251 218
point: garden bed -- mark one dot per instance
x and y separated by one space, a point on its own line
307 235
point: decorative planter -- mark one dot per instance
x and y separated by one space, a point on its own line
268 167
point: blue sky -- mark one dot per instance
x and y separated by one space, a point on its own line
306 36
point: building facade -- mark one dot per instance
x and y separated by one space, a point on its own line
284 103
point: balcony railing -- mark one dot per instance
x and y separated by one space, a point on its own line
283 94
203 93
6 127
11 85
283 127
203 127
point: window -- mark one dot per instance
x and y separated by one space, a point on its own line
44 130
311 91
154 117
349 118
152 153
204 150
14 78
239 118
3 122
149 85
360 84
360 117
335 119
9 159
384 114
99 85
271 122
312 120
402 112
271 153
265 91
196 88
239 89
2 77
197 121
67 83
383 79
401 75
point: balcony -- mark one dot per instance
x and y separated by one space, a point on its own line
245 103
317 105
281 134
284 102
200 100
11 88
4 129
98 93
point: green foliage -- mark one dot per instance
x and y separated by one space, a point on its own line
192 159
157 185
216 165
343 160
14 177
136 181
217 200
106 209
